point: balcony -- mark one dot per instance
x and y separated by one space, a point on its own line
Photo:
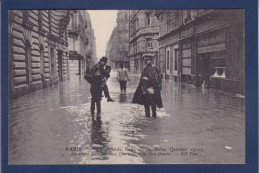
74 30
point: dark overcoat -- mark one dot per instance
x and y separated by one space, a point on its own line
154 76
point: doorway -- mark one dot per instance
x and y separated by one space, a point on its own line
28 63
205 66
167 60
52 67
60 65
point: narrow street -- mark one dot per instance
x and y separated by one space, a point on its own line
195 126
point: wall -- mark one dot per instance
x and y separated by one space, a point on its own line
26 39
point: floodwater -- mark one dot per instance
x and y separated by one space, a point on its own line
195 126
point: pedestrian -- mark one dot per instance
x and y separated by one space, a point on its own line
105 88
97 74
122 77
148 92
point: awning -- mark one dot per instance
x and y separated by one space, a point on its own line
74 55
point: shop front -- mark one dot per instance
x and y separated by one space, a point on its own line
217 61
211 58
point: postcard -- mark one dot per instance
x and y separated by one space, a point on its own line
158 87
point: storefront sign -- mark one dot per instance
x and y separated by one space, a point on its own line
212 48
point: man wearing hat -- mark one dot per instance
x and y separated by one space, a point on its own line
99 76
148 92
107 69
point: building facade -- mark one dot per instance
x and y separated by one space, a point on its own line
144 32
112 48
38 49
203 46
77 38
91 55
118 45
123 38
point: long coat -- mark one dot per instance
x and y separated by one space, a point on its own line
154 76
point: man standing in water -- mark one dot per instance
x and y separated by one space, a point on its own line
122 77
148 92
107 69
97 83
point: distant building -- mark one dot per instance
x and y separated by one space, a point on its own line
38 49
123 37
144 32
91 55
78 40
118 45
203 46
94 57
112 48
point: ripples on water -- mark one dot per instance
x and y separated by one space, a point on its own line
42 124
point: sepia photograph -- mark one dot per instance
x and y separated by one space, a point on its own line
131 86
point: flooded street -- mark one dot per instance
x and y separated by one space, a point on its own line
54 126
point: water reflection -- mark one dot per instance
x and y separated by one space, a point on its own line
42 124
122 98
98 139
61 91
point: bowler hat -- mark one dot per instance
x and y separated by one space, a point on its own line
103 59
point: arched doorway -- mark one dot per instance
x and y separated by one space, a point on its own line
28 62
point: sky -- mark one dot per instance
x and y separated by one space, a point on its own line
103 23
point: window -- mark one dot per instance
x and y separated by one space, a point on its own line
149 42
149 17
28 62
50 26
26 15
70 26
187 15
40 19
125 16
42 59
175 60
52 61
176 19
131 29
137 23
168 60
218 64
76 19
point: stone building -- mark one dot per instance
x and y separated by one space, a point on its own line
169 22
123 38
118 45
78 40
144 32
203 46
37 49
112 48
91 55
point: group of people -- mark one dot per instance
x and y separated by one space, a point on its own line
148 92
